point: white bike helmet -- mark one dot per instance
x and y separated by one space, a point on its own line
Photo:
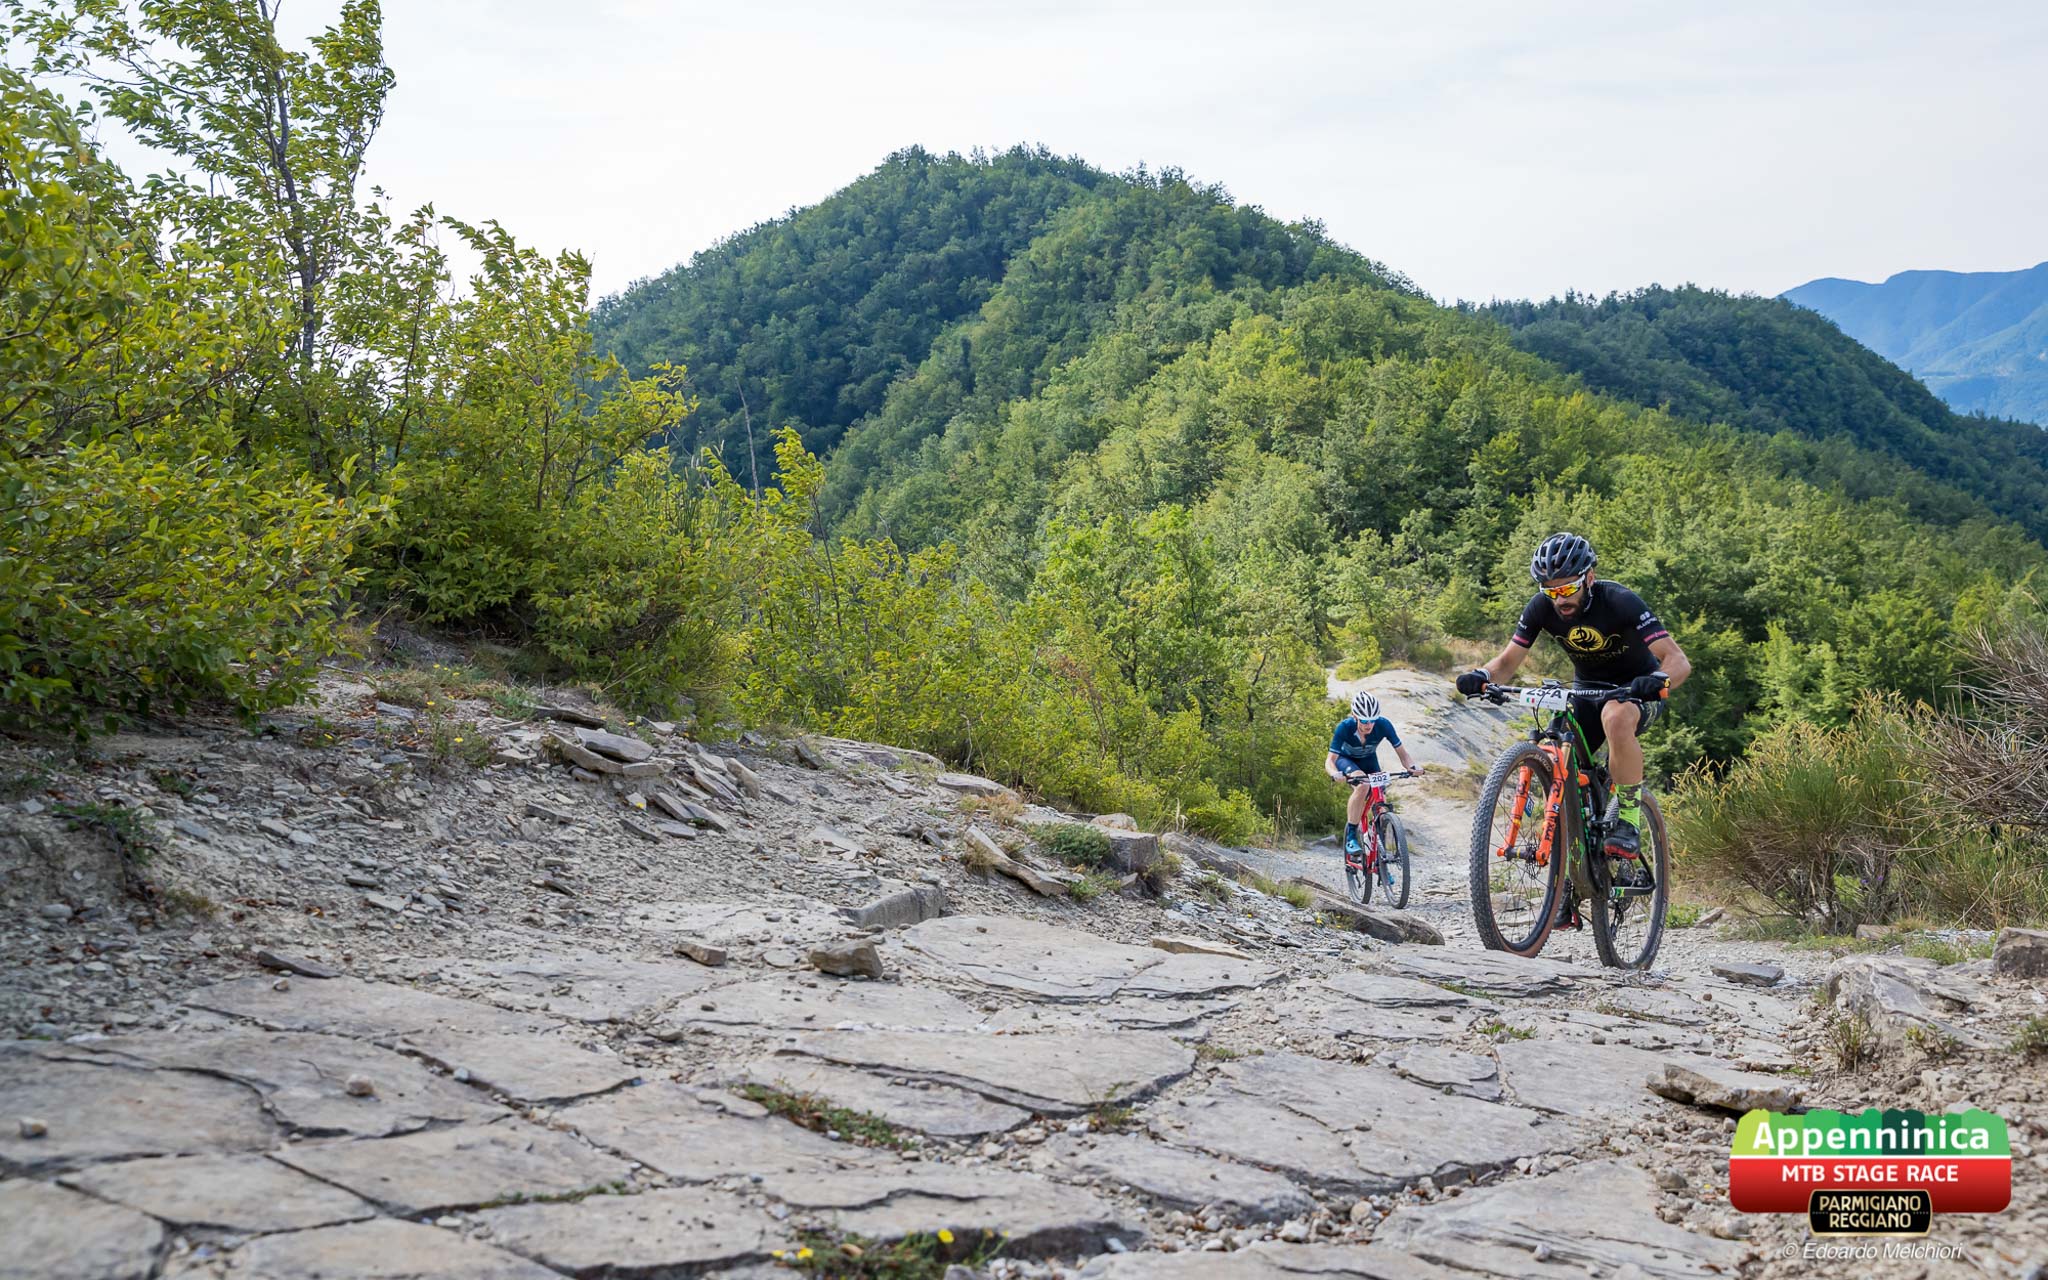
1365 707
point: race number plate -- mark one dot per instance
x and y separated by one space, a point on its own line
1547 699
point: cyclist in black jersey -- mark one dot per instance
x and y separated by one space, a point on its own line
1614 639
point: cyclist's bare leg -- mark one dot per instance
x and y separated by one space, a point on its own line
1354 809
1624 751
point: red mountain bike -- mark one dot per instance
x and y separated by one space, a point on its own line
1383 852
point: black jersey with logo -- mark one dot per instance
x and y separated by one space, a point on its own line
1609 638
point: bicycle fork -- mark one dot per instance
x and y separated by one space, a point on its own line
1553 811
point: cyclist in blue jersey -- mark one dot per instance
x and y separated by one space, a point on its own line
1354 750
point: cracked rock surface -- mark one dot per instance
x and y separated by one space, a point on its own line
519 1070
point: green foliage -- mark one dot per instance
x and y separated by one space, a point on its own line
152 557
1074 843
2031 1040
816 1114
131 832
921 1255
1683 915
1768 366
1838 827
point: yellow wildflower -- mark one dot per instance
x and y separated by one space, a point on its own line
945 1235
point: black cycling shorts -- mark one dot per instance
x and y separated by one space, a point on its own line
1588 715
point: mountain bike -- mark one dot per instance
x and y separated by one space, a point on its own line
1383 857
1540 835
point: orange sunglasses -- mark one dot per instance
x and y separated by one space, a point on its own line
1565 592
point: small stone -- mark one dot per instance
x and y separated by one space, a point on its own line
1671 1180
293 964
1730 1228
360 1087
1541 1253
535 809
462 1075
1295 1232
1753 975
847 959
702 952
55 911
282 984
634 827
355 880
33 1128
1712 917
1361 1212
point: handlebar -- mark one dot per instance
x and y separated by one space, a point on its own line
1556 697
1379 779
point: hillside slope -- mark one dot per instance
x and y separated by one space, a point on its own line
1979 339
1214 452
1771 367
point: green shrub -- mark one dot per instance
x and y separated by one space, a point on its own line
1075 843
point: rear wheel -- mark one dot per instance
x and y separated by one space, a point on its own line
1356 882
1630 897
1513 895
1393 860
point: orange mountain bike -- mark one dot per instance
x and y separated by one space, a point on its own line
1538 841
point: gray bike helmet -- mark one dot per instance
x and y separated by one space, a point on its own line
1365 707
1562 555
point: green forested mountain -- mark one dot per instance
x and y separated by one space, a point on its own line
1768 366
809 318
1335 465
1979 339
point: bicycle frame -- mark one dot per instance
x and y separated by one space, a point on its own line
1578 774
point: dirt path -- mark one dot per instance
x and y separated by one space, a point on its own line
443 1021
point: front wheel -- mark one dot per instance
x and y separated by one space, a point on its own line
1393 860
1514 880
1630 897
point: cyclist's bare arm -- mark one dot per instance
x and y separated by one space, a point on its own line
1331 767
1502 669
1407 761
1671 659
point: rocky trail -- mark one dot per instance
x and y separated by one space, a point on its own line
325 1000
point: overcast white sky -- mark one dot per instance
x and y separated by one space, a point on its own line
1486 149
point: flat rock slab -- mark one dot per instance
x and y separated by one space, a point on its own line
1656 1004
1390 992
1052 963
1473 1075
301 1077
1184 1179
1489 973
380 1249
1040 1218
54 1234
680 1231
527 1069
737 925
583 986
936 1109
1712 1084
459 1168
1902 996
1056 1073
107 1110
971 784
352 1007
1750 975
1494 1231
813 1003
1270 1262
1575 1079
1352 1128
1184 1018
248 1194
675 1130
1336 1014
